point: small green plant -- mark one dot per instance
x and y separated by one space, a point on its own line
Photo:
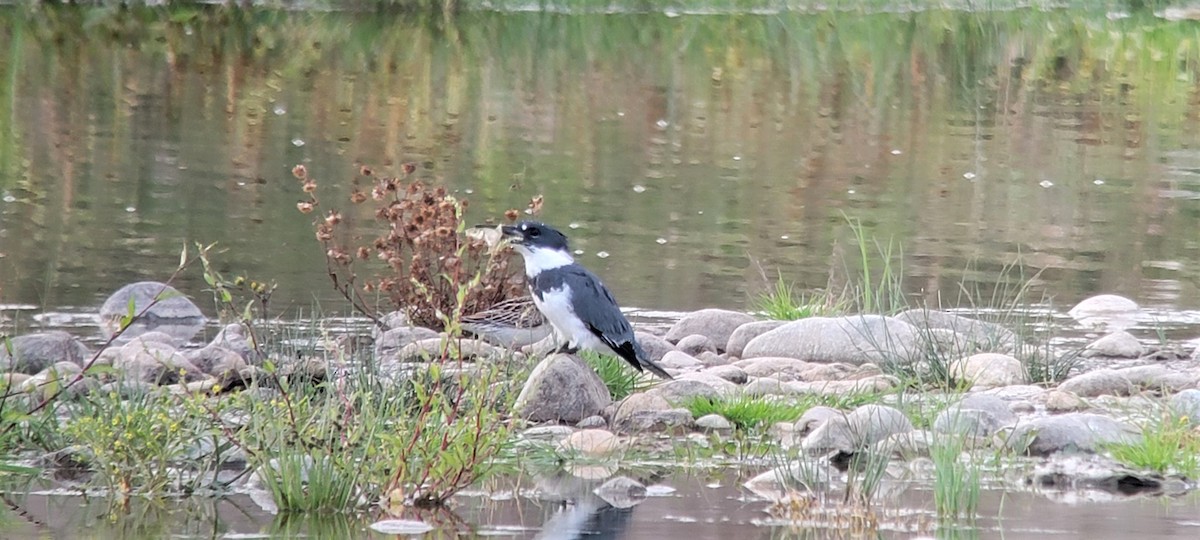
620 378
955 481
781 303
312 482
1168 444
749 412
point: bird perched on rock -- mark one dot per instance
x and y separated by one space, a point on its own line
577 304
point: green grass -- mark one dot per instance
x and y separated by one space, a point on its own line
620 378
955 481
746 412
781 303
1168 445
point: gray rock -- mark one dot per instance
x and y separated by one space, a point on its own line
671 420
1060 401
852 340
814 417
999 408
390 342
733 374
1159 378
791 369
237 338
1103 305
968 422
811 474
746 332
154 362
1119 344
767 386
162 308
394 319
562 388
1187 403
856 430
1072 432
32 353
1090 472
988 370
681 391
639 403
593 422
710 359
621 492
468 349
216 360
126 388
679 360
655 346
968 335
1017 392
876 384
716 324
1099 382
723 387
714 422
695 345
591 442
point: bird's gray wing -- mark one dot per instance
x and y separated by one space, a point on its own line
595 305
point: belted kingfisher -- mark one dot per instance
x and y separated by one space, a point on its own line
575 301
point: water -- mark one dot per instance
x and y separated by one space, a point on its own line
700 152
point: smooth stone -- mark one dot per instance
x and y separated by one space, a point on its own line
638 403
390 342
714 422
856 430
32 353
999 408
710 359
401 527
791 369
731 373
621 492
552 433
965 335
1071 432
814 418
915 444
216 360
469 349
1017 392
1187 403
680 360
1092 472
236 337
746 332
812 474
681 391
878 383
161 307
1098 382
766 386
50 381
1119 344
391 320
1159 378
126 389
1060 401
716 324
1103 305
671 420
968 422
696 344
562 388
13 380
591 442
851 340
154 362
593 422
988 370
723 387
655 347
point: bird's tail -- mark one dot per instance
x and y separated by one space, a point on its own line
648 364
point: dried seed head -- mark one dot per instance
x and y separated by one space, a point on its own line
377 193
512 214
409 168
305 207
357 196
365 170
364 253
333 218
309 186
300 172
443 232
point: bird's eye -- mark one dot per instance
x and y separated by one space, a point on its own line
534 233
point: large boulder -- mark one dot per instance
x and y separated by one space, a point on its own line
562 388
856 430
1103 305
976 415
988 370
1072 432
161 308
966 335
746 332
852 340
237 338
32 353
654 346
154 362
716 324
1119 344
1099 382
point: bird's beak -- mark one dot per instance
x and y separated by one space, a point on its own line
512 234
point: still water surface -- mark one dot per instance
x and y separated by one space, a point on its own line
699 153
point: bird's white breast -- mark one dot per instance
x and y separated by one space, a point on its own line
555 305
539 259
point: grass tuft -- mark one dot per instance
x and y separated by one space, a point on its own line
1168 445
955 481
746 412
620 377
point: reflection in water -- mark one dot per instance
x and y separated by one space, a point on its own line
696 150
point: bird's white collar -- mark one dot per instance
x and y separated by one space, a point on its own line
538 259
